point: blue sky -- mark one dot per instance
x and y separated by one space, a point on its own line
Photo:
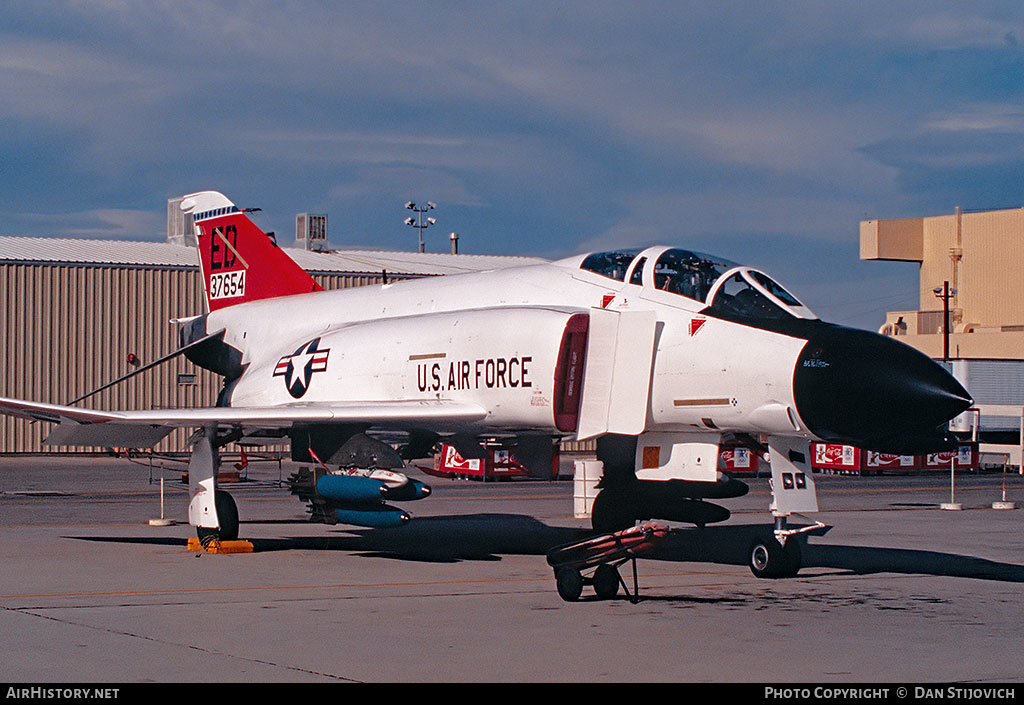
763 132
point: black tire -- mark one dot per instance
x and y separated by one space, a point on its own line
794 559
768 559
612 511
227 516
606 581
570 583
764 557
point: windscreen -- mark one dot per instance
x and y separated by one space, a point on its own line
750 294
738 297
775 289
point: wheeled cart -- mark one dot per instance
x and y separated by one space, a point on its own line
604 554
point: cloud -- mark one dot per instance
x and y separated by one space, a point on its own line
401 181
960 29
984 117
104 223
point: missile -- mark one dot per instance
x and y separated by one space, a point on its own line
350 488
372 515
379 484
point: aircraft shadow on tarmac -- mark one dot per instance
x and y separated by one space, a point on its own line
440 539
486 537
728 545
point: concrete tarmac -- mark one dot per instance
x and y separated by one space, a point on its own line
897 592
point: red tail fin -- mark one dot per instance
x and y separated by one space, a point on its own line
239 262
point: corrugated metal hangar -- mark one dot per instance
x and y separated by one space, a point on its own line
78 314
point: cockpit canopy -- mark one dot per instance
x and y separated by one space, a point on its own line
610 264
726 287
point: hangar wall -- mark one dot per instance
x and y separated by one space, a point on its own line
70 327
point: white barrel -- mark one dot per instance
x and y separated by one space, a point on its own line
586 475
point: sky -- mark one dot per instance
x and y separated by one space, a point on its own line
760 132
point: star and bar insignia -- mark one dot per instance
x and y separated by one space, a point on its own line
298 368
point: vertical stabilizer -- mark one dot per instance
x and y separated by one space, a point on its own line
239 262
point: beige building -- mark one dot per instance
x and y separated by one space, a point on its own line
981 256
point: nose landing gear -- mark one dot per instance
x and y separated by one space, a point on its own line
771 559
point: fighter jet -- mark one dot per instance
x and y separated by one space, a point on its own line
658 354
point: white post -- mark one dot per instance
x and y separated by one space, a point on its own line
1003 504
952 504
952 474
161 521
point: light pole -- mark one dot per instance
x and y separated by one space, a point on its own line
418 221
945 293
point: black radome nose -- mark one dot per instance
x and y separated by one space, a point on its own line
864 389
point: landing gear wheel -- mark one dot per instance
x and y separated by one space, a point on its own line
570 583
606 581
793 558
769 559
227 516
612 511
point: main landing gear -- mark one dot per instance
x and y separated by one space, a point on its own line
211 510
227 515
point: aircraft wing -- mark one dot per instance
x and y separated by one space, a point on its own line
143 429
